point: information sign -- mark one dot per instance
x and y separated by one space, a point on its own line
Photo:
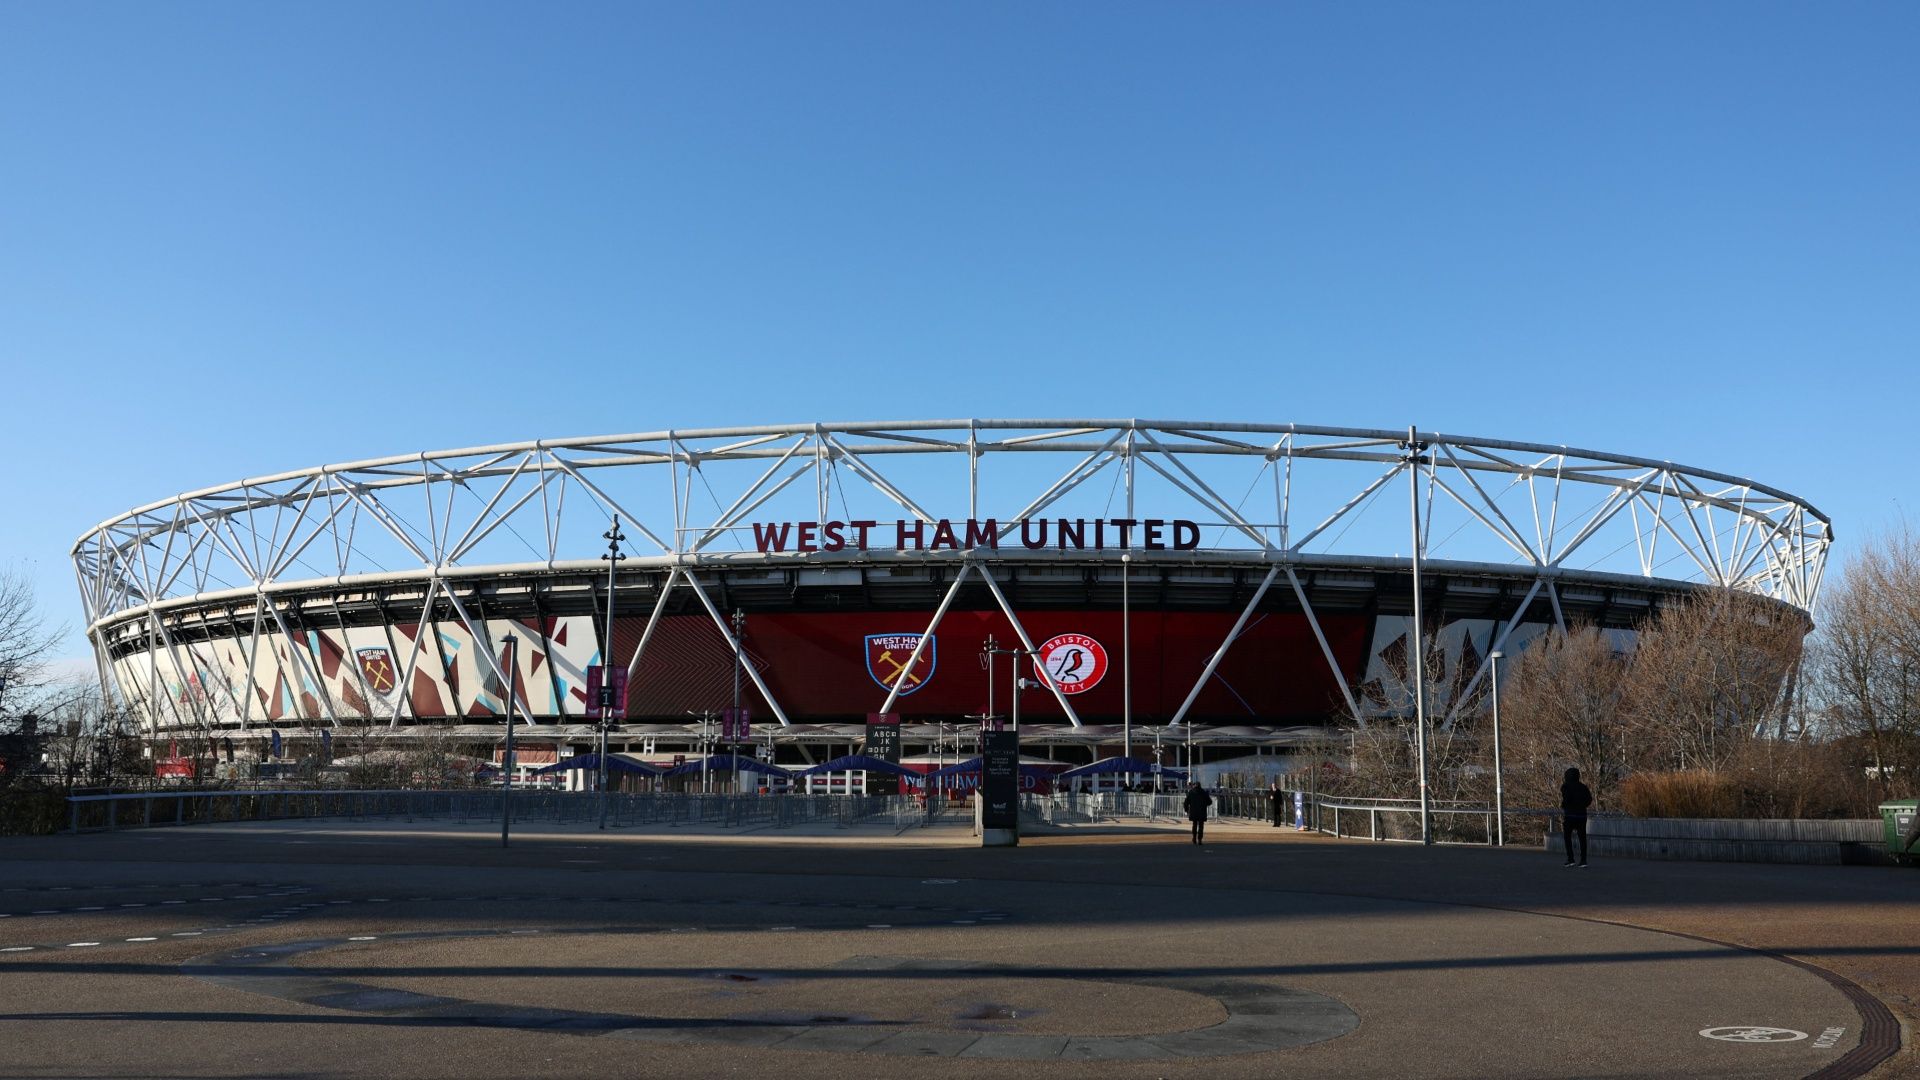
606 698
883 742
1000 780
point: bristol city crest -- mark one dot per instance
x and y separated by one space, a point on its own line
376 667
887 656
1075 662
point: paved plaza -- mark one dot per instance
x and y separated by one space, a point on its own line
422 949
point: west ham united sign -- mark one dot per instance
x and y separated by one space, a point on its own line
1075 662
376 667
887 656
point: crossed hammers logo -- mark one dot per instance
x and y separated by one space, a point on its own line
899 669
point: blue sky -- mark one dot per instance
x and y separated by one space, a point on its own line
242 238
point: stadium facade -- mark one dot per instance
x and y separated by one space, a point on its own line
1233 583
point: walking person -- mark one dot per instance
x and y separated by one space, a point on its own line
1196 804
1575 797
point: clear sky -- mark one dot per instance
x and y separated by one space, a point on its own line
238 238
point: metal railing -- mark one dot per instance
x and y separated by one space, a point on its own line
1375 819
95 813
1453 822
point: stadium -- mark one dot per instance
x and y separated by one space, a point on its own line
1234 587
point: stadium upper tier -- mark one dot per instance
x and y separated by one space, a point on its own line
1203 558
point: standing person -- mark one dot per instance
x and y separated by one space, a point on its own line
1276 802
1196 804
1575 797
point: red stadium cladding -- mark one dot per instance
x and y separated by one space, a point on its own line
822 666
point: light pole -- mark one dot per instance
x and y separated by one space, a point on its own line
1126 658
734 727
1499 794
613 536
506 757
1419 659
1157 734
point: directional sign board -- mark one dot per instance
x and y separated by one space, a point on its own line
883 742
606 699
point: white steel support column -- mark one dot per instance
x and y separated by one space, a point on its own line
403 698
1498 644
919 647
304 663
653 620
1333 664
484 646
1027 644
1220 653
720 621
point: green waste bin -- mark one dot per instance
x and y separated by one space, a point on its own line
1903 841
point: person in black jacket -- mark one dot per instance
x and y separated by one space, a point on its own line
1575 797
1276 803
1196 804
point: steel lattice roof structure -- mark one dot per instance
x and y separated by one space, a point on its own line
270 600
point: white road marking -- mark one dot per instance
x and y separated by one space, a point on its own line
142 939
80 944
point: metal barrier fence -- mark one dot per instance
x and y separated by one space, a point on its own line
1381 819
94 813
1375 819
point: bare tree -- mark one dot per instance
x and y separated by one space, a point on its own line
1561 708
25 644
1865 659
1708 674
1385 762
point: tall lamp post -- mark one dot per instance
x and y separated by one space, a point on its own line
1499 793
1126 658
613 557
1414 461
734 727
506 755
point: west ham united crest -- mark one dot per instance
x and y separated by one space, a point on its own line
376 667
887 656
1075 662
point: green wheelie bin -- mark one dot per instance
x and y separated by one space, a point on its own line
1902 817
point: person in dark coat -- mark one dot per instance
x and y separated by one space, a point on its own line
1575 797
1276 802
1196 804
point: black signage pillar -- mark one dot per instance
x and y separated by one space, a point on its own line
883 742
999 788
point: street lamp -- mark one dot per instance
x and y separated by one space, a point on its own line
613 558
734 727
1499 795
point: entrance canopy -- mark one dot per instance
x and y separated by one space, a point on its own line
860 762
616 763
726 763
1128 766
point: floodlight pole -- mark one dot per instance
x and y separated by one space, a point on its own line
1499 796
613 536
1419 650
506 759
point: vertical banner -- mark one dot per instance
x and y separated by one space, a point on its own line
606 692
883 742
1000 780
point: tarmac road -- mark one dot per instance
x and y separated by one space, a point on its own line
332 949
